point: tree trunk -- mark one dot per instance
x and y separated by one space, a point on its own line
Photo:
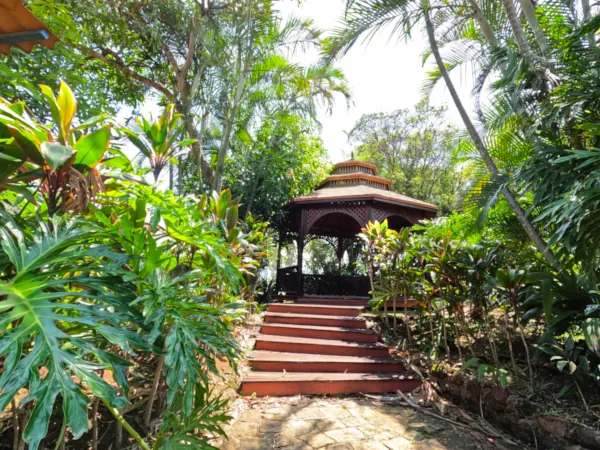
485 26
204 168
531 231
229 119
534 23
520 37
587 14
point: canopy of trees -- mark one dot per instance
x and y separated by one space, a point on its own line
414 149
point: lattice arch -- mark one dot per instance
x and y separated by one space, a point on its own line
358 211
380 214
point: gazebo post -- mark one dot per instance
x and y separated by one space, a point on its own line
281 233
301 238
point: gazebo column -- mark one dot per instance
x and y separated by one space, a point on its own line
301 238
340 253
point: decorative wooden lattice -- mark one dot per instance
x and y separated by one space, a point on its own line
358 210
335 285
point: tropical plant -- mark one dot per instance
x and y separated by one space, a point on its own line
59 160
160 141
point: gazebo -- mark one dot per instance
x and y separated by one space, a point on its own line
345 202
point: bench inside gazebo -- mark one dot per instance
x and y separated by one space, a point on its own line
316 341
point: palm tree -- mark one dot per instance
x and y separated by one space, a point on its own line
369 16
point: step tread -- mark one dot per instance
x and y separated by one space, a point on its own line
318 328
311 341
265 355
313 316
294 377
324 307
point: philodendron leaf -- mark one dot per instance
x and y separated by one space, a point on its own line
55 155
37 310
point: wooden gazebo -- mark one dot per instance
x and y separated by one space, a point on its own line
336 211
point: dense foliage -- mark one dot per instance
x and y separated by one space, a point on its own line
523 259
101 279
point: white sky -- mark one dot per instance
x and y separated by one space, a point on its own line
383 74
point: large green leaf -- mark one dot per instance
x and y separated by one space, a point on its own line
55 155
92 147
37 311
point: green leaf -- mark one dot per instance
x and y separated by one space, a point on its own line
469 363
564 390
92 147
55 155
55 112
561 364
591 331
67 104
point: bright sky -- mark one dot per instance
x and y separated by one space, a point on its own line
383 74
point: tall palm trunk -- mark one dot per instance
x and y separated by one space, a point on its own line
520 37
512 201
587 15
532 20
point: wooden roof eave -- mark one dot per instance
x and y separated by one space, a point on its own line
367 197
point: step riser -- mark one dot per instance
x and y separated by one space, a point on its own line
318 321
319 334
328 387
298 309
303 366
322 349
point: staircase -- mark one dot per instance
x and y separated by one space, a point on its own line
321 346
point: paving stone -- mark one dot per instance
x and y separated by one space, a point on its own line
339 447
327 425
301 427
399 443
346 435
368 445
307 413
316 439
335 413
382 436
270 426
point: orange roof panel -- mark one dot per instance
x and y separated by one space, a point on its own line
15 19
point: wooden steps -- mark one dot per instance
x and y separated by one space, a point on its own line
314 319
320 346
349 311
279 383
298 362
317 332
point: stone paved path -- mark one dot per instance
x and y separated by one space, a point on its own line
341 424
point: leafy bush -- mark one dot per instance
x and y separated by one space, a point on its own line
140 280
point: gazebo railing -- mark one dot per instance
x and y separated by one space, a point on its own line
288 280
336 285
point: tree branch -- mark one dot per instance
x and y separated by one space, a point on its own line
125 70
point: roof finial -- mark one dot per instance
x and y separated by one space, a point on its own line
352 155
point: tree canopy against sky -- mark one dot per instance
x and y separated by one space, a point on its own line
223 65
414 149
